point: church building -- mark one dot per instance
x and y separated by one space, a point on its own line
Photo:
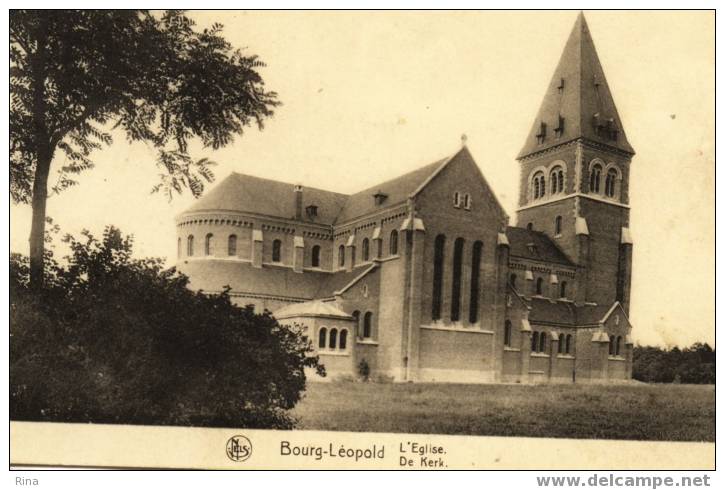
423 278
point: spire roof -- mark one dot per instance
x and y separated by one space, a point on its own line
578 102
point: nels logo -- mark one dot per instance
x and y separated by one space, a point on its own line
239 448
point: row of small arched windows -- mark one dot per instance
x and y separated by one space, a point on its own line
232 248
556 181
539 339
392 249
475 286
208 245
332 342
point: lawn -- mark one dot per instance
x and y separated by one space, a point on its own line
632 411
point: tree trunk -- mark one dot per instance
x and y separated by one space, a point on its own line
37 230
44 155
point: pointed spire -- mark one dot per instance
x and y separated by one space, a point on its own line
578 103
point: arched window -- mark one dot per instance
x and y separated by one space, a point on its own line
560 175
562 289
394 242
209 244
456 199
539 183
611 345
618 346
568 344
438 257
556 177
316 256
535 342
595 178
507 334
610 182
322 342
457 270
512 280
368 325
540 286
178 247
542 342
530 226
557 226
343 339
356 319
341 256
366 250
190 245
333 339
277 252
232 245
475 281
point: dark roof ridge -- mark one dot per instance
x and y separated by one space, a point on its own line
241 174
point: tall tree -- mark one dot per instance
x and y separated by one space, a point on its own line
75 76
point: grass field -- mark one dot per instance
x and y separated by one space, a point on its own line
632 411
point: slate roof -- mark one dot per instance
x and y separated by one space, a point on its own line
544 248
338 280
240 192
311 308
566 313
243 278
245 193
584 93
397 190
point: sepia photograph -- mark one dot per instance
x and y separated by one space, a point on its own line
362 239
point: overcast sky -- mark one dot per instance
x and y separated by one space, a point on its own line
368 96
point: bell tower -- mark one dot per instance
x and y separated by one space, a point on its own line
574 181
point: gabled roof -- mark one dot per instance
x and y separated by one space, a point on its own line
246 193
396 190
311 309
239 192
535 245
582 99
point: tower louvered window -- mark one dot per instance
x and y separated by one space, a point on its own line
595 178
610 182
556 178
539 184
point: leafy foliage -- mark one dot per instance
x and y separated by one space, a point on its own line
75 74
113 339
695 364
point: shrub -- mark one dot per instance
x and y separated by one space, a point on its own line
113 339
363 369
